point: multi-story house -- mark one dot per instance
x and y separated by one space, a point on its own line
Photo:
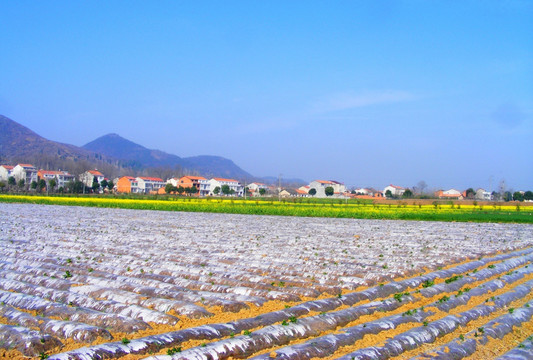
127 184
6 171
234 185
394 190
199 182
256 187
148 185
88 177
61 177
320 186
25 172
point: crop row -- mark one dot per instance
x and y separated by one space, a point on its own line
355 211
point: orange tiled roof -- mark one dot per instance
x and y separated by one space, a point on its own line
324 181
8 167
151 179
227 180
95 172
26 165
196 177
396 187
51 172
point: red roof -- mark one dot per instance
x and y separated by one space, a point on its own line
195 177
227 180
8 167
95 172
324 181
396 187
151 179
26 165
52 172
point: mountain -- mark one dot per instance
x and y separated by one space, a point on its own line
135 155
110 153
19 142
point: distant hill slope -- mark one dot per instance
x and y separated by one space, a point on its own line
19 142
135 155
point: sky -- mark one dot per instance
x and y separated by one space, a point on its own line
368 93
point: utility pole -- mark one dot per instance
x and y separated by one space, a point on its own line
279 187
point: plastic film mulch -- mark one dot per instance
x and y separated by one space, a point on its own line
82 273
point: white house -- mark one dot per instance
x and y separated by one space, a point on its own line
234 185
6 171
481 194
149 184
61 177
88 177
394 190
449 194
320 186
25 172
255 188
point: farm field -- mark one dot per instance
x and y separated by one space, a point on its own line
102 283
354 209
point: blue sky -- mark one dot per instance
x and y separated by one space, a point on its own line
364 92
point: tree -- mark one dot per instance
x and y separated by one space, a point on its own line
2 185
34 185
216 190
110 184
312 192
329 191
96 184
169 188
262 191
180 189
21 183
11 181
103 184
407 194
528 195
75 187
420 187
225 189
518 196
193 190
388 194
52 183
42 184
470 193
507 196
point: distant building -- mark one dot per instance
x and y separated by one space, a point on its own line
199 182
6 171
320 186
128 185
25 172
61 177
482 195
234 185
148 185
87 177
255 188
449 194
394 190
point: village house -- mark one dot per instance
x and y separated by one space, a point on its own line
87 177
449 194
25 172
61 177
320 186
368 193
483 195
256 187
6 171
396 191
128 185
200 183
148 185
234 185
